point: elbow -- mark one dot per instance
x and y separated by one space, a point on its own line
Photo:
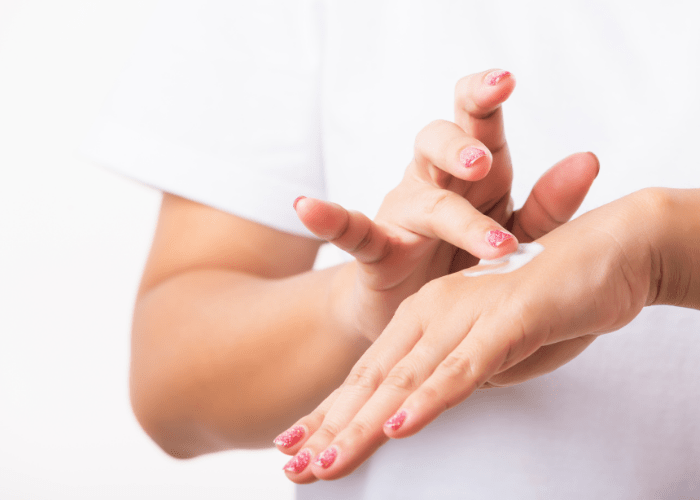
182 418
174 434
184 436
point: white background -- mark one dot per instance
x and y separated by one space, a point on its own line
73 240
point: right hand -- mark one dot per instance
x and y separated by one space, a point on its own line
449 210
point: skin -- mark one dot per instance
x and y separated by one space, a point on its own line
459 333
234 337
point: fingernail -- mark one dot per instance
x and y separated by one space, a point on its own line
326 458
469 155
496 76
298 462
295 205
497 238
395 422
290 437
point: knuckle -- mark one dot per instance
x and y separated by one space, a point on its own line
326 404
432 291
457 367
329 430
360 429
405 307
404 378
437 201
426 134
408 310
365 240
364 377
341 230
434 398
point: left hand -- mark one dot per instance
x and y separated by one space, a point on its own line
460 333
438 219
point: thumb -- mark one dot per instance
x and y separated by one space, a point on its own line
555 197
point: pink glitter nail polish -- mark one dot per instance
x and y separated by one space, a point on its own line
395 422
290 437
497 238
299 462
496 76
297 201
469 155
326 458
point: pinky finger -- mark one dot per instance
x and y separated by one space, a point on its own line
352 232
291 440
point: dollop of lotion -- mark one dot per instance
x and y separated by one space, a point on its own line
524 254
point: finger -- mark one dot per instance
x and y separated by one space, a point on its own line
362 435
442 149
444 215
489 346
291 440
352 232
369 372
544 360
556 196
478 111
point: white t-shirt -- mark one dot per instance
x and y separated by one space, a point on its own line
246 105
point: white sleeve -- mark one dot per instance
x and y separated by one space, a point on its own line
220 105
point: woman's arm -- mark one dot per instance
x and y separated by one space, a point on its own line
232 336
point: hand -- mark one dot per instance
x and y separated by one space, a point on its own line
451 206
459 333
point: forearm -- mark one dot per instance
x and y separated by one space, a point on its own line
222 359
676 247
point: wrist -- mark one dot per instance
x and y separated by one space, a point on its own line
675 263
344 312
358 310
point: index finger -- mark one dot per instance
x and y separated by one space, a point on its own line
442 149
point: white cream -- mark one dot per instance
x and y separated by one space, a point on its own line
524 254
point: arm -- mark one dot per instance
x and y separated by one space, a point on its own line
461 333
226 313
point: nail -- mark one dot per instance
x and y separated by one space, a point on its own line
496 76
469 155
497 238
297 201
290 437
395 422
326 458
299 462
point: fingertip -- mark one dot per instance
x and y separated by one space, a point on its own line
297 200
401 424
494 77
475 163
303 206
291 439
497 243
395 422
298 463
499 239
407 422
596 162
490 89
